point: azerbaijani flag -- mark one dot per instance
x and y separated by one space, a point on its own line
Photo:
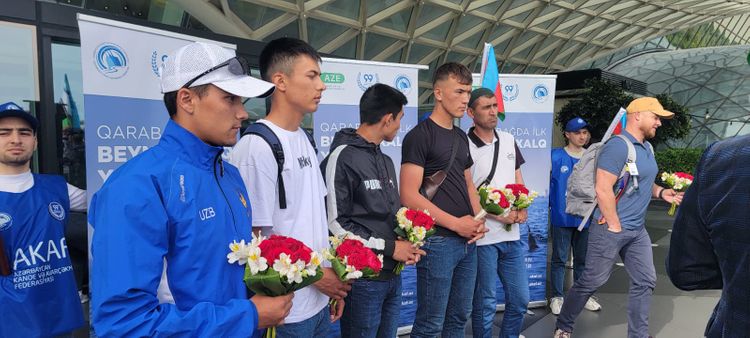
617 125
491 79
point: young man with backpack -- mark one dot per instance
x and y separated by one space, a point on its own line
363 199
618 225
563 225
296 207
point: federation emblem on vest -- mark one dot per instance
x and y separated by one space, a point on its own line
57 211
564 169
5 221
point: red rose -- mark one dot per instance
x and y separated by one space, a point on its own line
503 203
271 248
374 263
517 189
684 175
423 220
411 214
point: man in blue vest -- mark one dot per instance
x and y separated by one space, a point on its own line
164 220
38 295
565 226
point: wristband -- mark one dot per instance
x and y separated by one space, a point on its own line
661 193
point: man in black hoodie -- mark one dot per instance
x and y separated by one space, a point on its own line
363 199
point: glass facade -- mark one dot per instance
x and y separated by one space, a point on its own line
714 83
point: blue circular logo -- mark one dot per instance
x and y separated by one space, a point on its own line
403 84
5 221
540 93
56 210
111 61
510 92
365 80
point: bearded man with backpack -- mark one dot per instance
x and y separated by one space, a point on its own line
624 185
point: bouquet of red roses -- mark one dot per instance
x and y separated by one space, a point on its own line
520 197
493 201
414 226
276 266
679 182
351 259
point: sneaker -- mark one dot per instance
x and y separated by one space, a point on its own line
555 305
592 305
561 334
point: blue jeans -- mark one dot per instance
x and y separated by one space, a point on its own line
562 238
634 247
372 309
506 260
315 326
445 285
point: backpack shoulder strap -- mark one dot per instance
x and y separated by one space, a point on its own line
311 139
631 158
264 132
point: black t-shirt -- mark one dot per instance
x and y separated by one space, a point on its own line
428 145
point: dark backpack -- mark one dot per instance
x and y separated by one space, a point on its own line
270 137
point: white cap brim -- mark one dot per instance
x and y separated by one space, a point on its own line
246 86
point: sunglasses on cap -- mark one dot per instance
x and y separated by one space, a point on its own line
236 65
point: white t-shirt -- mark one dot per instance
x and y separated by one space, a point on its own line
305 215
504 174
22 182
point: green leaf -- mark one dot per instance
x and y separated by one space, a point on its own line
339 268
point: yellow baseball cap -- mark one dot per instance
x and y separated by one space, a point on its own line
649 104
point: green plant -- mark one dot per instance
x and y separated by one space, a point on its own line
675 128
601 101
598 105
674 160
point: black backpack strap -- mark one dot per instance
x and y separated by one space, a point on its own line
494 161
311 139
270 137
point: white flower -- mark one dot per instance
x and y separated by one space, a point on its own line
351 272
295 274
419 233
255 242
239 252
255 261
312 268
283 265
403 222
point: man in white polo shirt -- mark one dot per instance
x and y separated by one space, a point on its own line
500 252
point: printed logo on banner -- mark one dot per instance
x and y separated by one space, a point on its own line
540 93
111 60
56 210
333 80
5 221
157 62
365 80
510 92
403 84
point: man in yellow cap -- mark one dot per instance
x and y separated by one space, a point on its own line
621 227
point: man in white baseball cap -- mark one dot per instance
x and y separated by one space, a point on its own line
163 221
